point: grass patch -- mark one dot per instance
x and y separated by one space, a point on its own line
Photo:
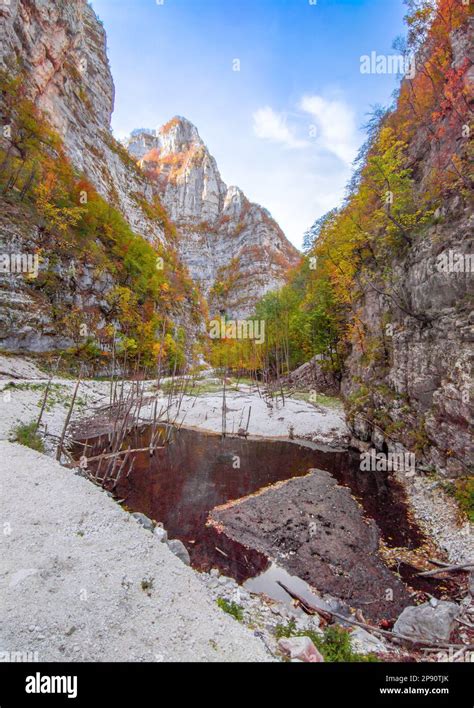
201 389
12 386
25 435
316 399
196 389
232 608
463 492
334 645
246 381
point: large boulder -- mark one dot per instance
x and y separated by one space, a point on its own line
144 521
430 621
315 375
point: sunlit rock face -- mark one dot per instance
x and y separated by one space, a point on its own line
60 48
233 248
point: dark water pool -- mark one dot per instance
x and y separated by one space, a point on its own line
196 472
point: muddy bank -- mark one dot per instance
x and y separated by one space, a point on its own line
316 530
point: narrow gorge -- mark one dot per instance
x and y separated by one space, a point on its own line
239 451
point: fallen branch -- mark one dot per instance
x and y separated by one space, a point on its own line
466 624
68 418
309 609
109 455
393 636
446 569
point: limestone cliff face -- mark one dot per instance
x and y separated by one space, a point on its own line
418 393
60 47
233 248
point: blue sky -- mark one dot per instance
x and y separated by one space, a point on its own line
284 128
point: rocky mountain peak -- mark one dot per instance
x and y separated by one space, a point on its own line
231 246
178 135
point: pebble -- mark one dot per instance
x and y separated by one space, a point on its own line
160 534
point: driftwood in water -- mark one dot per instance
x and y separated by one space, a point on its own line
306 606
110 455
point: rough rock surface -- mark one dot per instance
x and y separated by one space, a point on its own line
180 551
233 248
312 376
61 47
431 621
301 649
80 580
363 642
419 382
29 315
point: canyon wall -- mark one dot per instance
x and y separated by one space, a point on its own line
234 249
414 390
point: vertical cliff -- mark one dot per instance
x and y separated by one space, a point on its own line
408 377
383 302
94 269
233 248
74 201
60 49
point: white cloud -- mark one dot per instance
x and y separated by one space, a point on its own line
270 125
297 191
301 184
335 124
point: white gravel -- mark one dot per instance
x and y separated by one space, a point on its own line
438 515
322 424
81 580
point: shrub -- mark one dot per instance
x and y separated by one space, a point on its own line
26 435
232 608
463 491
334 645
